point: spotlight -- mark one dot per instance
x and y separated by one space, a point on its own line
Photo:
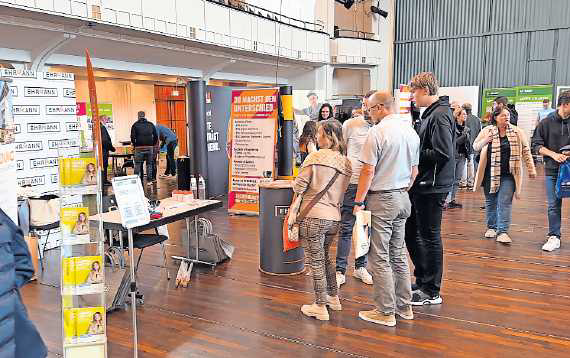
378 11
347 3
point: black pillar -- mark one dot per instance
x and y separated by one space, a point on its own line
196 91
285 154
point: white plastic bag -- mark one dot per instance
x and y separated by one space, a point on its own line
361 233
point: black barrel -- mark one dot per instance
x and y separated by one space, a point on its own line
184 174
274 200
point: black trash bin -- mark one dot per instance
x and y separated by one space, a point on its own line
183 172
274 200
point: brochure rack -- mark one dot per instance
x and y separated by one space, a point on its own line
82 257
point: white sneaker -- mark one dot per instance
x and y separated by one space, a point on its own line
340 278
490 234
504 239
553 243
363 275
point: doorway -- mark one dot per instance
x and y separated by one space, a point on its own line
171 112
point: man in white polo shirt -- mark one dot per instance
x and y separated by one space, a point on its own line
354 131
389 159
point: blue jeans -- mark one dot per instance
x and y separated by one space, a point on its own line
498 206
142 155
554 207
345 238
459 170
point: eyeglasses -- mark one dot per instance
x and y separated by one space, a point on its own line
376 106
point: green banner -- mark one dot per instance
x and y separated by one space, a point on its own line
490 94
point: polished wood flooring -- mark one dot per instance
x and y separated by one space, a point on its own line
499 301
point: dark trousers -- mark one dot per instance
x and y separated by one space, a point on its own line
345 239
105 165
423 239
144 155
170 162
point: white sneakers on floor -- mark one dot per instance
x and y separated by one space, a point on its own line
340 279
363 275
504 238
490 234
553 243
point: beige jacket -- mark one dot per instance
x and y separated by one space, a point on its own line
316 172
480 144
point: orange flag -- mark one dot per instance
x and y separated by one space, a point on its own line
94 110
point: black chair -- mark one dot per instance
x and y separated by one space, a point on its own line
140 241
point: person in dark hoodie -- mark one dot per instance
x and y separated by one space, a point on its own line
19 337
550 136
436 174
107 147
143 138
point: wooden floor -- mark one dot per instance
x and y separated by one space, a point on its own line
499 301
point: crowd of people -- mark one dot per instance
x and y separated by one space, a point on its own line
406 175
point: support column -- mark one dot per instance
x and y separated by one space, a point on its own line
285 154
196 92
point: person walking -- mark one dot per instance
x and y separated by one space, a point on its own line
503 147
545 111
355 132
436 173
462 151
143 138
325 174
168 138
20 338
326 112
389 157
474 124
551 135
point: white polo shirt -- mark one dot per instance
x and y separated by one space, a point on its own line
393 148
355 131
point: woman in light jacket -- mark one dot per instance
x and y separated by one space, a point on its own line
503 148
320 227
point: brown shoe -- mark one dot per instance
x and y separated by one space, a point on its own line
334 303
377 317
319 312
405 313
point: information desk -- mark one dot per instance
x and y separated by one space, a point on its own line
172 211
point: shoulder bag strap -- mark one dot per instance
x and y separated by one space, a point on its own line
316 199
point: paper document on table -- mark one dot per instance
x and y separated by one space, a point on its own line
133 206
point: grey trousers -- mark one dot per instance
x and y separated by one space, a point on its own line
387 256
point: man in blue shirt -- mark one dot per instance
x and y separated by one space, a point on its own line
545 111
168 137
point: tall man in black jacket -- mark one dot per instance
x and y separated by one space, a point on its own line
143 138
550 136
436 173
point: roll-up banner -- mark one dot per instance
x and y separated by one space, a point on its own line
253 133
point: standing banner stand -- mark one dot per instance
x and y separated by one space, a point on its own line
528 103
253 133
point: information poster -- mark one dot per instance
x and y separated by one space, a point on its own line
528 103
86 123
490 94
253 127
45 125
8 187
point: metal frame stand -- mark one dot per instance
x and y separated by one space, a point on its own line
197 259
133 291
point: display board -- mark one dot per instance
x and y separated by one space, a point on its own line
490 94
253 127
8 186
462 94
45 125
86 123
528 103
218 104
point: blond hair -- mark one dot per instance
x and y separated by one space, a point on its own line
333 131
425 80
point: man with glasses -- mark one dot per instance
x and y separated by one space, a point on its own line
354 131
436 174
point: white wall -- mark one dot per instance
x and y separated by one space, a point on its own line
350 82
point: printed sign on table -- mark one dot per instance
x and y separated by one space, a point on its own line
253 127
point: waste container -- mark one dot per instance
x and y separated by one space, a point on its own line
183 170
274 200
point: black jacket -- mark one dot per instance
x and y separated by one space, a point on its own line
436 170
552 132
474 124
106 139
463 141
143 133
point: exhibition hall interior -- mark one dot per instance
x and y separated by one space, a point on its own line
284 178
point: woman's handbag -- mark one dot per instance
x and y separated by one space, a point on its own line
44 210
293 217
